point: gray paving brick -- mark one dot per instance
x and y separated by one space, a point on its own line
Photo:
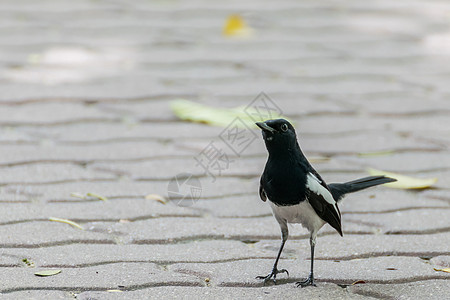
86 255
283 292
15 154
424 220
365 246
48 233
94 210
84 106
430 289
23 174
373 270
129 275
175 229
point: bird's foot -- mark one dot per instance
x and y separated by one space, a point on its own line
308 281
273 276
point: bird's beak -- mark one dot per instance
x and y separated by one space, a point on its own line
265 127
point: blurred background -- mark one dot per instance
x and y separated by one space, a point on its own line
86 89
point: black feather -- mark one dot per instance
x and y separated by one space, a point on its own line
338 190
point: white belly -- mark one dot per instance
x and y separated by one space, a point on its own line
302 213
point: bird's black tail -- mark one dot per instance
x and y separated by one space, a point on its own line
338 190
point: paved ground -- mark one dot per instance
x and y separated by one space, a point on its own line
84 108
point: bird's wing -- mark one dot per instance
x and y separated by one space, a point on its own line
322 201
262 193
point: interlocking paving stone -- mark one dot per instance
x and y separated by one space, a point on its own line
429 289
128 275
47 233
95 210
14 154
424 220
356 246
85 107
43 173
167 230
380 200
373 270
36 295
401 162
377 201
325 291
67 113
85 255
130 129
125 188
441 261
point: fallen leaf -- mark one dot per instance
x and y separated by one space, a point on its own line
318 159
447 270
358 282
66 222
404 182
28 262
196 112
376 153
45 273
103 198
235 26
156 197
77 195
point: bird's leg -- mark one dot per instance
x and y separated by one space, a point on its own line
310 279
275 271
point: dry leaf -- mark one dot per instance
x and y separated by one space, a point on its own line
103 198
235 26
45 273
447 270
28 262
318 159
358 282
196 112
77 195
66 222
404 182
376 153
156 197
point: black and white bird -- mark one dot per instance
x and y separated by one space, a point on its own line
297 193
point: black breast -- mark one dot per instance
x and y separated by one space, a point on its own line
284 182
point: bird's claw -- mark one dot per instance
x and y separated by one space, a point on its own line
308 281
273 276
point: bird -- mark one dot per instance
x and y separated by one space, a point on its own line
297 193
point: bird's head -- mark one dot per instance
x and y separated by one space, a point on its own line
278 134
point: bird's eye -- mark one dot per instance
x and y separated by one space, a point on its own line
284 127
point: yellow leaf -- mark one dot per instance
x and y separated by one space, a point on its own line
156 197
447 270
318 159
77 195
404 182
376 153
235 26
103 198
66 222
196 112
46 273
